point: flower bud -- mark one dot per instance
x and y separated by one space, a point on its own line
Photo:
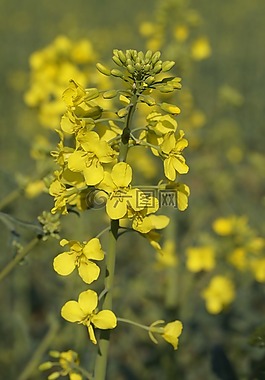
103 69
167 65
116 73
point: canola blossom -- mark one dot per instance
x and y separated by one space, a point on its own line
80 256
84 311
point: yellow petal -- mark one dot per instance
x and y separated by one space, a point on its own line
121 174
91 334
92 250
116 208
64 264
94 173
88 271
77 161
72 312
180 165
169 143
88 301
183 193
105 319
171 333
169 169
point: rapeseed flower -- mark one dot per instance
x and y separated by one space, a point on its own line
80 256
85 312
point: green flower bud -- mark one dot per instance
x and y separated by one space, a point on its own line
92 112
122 56
122 112
150 80
116 73
157 68
170 108
103 69
45 366
147 100
166 88
54 376
110 94
131 69
91 93
148 55
167 65
117 61
138 66
156 57
147 67
141 56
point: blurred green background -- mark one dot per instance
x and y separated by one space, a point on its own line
226 159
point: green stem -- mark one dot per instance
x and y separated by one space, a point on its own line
11 265
104 340
127 130
133 323
103 344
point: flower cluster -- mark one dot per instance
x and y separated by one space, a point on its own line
67 363
99 134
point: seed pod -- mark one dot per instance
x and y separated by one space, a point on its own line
117 60
116 73
110 94
167 65
102 69
170 108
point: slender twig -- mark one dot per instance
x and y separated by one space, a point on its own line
24 252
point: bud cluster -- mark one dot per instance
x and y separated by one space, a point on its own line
141 70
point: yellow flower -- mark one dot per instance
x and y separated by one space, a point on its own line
146 223
67 360
161 124
121 196
85 312
171 149
231 225
170 332
201 49
219 294
200 258
258 268
166 257
238 258
74 95
80 256
88 160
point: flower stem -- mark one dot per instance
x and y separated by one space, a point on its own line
102 356
127 130
103 344
11 265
